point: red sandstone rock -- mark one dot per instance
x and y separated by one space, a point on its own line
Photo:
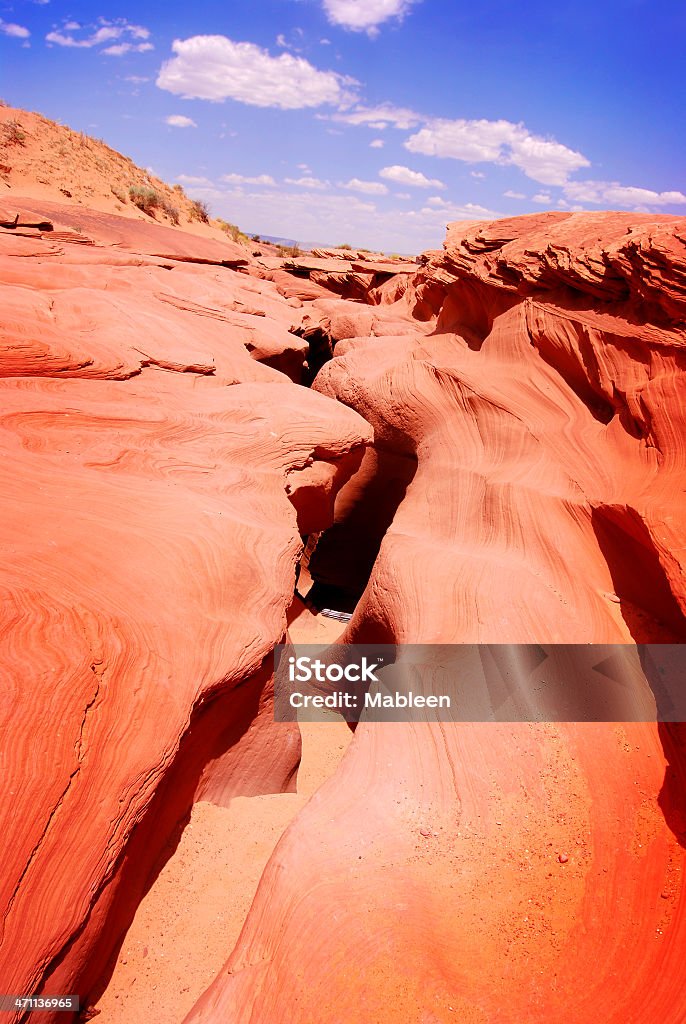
135 235
546 416
155 482
525 393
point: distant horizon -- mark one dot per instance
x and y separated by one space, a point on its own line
370 122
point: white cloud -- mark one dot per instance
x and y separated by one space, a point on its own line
60 39
217 68
190 179
501 142
308 182
240 179
119 49
545 160
404 176
380 117
180 121
9 28
107 32
542 197
365 15
477 174
281 40
447 212
613 194
370 188
513 195
377 144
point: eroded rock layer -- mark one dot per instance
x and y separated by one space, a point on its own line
511 872
158 468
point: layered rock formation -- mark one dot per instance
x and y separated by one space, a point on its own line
492 451
528 871
158 469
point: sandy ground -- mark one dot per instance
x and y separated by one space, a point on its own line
189 921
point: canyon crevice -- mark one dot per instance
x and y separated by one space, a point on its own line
492 451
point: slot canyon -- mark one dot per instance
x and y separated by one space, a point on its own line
488 445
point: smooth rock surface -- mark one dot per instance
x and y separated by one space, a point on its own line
154 484
524 871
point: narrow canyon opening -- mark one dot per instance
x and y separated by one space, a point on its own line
200 892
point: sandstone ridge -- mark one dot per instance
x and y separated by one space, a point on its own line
491 452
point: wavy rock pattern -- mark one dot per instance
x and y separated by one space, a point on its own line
155 476
522 872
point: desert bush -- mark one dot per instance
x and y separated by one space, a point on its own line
289 250
233 231
146 199
178 188
13 133
344 245
171 212
255 238
118 194
199 211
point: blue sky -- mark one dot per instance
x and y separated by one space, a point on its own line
372 122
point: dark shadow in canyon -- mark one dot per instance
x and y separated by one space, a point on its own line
654 617
345 554
649 608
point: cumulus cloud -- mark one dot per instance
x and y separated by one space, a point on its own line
9 28
240 179
513 195
365 15
122 37
370 188
180 121
190 179
377 144
380 117
217 68
447 212
611 193
542 197
404 176
308 182
501 142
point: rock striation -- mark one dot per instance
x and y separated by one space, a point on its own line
492 451
523 871
158 470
